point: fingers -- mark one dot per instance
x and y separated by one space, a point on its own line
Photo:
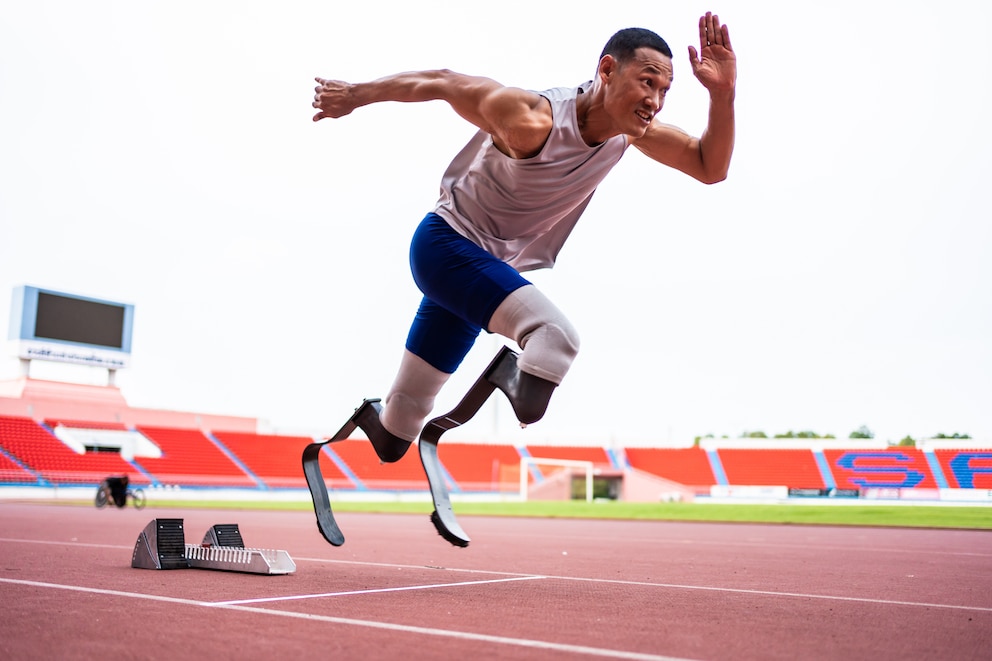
332 98
713 30
317 93
319 89
704 39
316 104
711 33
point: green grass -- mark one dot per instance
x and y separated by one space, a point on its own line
923 516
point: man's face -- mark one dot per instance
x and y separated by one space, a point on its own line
635 90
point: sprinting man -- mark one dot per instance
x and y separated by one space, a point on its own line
511 197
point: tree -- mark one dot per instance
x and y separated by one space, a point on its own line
695 441
862 432
801 434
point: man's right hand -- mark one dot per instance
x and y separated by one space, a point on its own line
333 98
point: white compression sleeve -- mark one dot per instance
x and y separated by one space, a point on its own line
547 338
411 398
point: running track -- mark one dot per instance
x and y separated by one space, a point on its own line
524 589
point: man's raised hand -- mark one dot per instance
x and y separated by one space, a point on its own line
715 64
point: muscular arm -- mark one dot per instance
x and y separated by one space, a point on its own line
706 158
519 121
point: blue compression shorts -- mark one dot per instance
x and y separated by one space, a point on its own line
462 286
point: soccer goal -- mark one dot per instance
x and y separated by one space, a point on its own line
570 466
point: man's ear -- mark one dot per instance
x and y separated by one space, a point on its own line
607 67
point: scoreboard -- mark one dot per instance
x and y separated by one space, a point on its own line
60 327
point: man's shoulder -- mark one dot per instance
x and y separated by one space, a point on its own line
563 93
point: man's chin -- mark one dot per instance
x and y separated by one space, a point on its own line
635 134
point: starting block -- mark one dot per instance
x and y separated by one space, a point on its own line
162 545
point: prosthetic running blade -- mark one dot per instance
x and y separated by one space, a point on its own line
389 448
443 516
318 488
502 367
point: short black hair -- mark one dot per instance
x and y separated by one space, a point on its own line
623 44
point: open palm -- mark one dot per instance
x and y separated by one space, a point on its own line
715 64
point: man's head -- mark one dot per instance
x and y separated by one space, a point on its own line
634 75
623 45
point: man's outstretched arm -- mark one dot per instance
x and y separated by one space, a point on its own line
706 158
518 120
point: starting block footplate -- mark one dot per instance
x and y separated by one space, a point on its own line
162 545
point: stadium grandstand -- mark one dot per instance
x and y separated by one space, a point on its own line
70 436
73 435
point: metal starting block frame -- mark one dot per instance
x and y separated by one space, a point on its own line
162 545
443 516
251 561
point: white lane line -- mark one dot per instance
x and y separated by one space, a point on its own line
752 543
611 581
678 542
393 565
403 588
424 631
475 637
578 538
64 543
104 591
773 593
672 586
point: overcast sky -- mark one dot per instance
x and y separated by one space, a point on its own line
162 154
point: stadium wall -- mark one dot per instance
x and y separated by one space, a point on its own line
958 469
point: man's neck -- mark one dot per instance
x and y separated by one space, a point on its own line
595 126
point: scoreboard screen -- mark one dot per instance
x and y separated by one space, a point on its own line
61 327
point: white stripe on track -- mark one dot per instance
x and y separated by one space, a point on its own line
671 586
371 591
773 593
424 631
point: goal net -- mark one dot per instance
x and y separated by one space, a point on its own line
554 474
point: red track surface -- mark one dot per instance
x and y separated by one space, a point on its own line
524 589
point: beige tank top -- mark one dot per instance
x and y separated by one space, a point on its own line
522 210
